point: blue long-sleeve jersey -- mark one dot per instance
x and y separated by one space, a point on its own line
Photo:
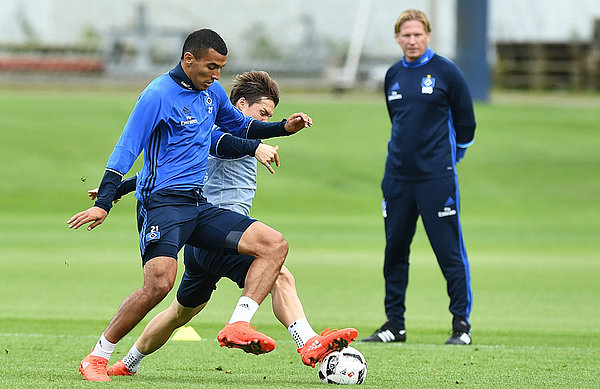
171 123
431 111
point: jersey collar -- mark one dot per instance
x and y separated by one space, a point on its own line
425 58
179 76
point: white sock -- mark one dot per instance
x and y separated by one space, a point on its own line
301 331
103 348
133 359
244 310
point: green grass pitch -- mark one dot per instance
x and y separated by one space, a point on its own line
531 218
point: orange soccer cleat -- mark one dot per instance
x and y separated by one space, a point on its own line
93 368
119 368
241 335
320 345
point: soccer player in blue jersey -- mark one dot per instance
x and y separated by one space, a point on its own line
231 184
172 123
431 111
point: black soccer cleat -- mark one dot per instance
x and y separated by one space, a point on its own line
461 332
386 334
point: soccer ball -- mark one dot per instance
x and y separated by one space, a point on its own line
347 366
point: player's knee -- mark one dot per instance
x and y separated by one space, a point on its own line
280 249
274 247
158 289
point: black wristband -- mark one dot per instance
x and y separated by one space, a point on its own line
108 189
265 130
232 146
129 185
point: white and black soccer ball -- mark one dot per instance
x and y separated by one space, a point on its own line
345 367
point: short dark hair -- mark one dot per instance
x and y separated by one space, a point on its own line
254 86
200 41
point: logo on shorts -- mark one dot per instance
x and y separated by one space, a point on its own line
154 234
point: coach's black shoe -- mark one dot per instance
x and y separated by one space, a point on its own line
461 332
386 334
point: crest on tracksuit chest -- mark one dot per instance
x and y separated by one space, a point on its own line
427 85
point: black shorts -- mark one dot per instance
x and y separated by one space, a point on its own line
168 219
203 269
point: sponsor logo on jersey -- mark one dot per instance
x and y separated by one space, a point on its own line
427 84
394 96
394 92
188 120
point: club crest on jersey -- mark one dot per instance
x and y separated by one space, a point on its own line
427 84
394 93
209 103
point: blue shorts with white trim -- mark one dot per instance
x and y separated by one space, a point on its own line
168 219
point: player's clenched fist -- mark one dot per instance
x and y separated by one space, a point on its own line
94 215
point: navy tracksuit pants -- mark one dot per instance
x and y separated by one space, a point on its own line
437 201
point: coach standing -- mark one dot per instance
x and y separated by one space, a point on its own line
431 111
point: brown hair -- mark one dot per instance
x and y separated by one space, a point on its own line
412 14
254 86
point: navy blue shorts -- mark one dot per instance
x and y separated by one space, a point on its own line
203 269
168 219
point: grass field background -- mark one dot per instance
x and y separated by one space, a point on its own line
530 187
